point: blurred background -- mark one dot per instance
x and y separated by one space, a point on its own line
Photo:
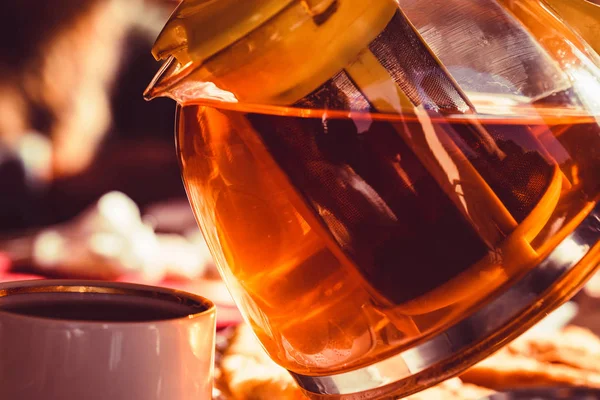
89 180
73 124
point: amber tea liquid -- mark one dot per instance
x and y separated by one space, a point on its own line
346 238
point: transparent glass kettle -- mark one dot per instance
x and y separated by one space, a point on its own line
391 191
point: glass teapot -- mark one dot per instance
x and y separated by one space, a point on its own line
391 191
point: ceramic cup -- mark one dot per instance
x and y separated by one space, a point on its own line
97 340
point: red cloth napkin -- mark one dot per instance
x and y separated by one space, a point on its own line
7 276
18 277
4 264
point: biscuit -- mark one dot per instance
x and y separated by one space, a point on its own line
567 358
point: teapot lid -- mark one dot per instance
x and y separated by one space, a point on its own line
218 44
198 29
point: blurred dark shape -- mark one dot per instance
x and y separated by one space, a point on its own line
27 26
17 199
132 115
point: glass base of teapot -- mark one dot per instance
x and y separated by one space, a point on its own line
558 277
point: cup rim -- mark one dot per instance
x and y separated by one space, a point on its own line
206 306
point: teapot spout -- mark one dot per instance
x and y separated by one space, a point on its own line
165 79
185 84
